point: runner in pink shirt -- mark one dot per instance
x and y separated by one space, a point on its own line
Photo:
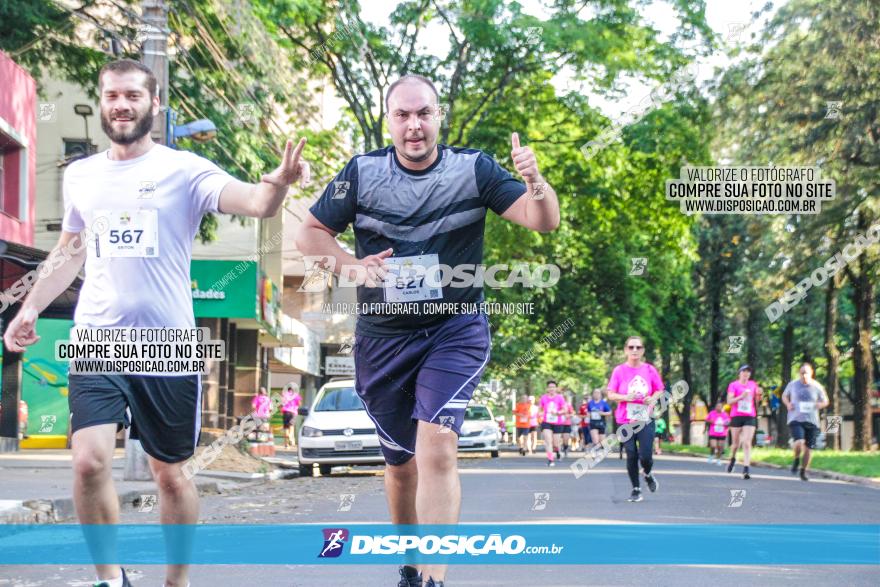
717 422
534 410
552 410
262 406
743 395
566 424
636 386
290 400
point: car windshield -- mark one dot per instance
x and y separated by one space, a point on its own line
339 399
477 413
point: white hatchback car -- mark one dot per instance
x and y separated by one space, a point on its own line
337 431
479 432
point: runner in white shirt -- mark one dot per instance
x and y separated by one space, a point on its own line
803 398
149 200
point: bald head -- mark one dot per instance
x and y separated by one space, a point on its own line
411 78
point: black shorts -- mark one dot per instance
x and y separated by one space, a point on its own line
533 428
555 428
166 412
804 431
598 426
287 418
721 439
740 421
658 434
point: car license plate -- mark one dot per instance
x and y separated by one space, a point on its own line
349 445
465 442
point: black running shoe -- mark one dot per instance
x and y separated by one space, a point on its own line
558 456
730 465
794 466
746 473
125 581
804 475
409 577
432 583
636 495
652 483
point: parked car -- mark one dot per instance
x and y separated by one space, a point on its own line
479 432
337 431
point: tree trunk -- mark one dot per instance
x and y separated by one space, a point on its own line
715 341
832 354
685 415
863 301
752 330
665 368
787 359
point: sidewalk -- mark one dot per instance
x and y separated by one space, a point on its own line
825 474
36 486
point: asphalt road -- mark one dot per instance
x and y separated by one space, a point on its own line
503 490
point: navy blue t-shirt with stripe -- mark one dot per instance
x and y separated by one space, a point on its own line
439 210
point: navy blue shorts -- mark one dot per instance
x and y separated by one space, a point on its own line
429 375
804 431
165 411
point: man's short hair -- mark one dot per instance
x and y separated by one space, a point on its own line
549 381
126 66
410 77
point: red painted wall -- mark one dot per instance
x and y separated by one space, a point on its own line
18 103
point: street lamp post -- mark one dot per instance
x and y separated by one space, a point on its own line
85 111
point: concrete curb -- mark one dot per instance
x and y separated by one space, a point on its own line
51 511
866 481
233 476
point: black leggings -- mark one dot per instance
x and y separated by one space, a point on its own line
644 452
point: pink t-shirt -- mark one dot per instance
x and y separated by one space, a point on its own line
261 405
552 408
644 381
744 406
533 416
718 423
566 419
290 401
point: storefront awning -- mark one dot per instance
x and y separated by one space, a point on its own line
16 261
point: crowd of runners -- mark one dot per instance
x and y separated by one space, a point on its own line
635 387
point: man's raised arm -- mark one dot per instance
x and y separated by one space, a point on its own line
54 275
264 199
539 208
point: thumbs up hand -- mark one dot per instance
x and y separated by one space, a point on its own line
524 161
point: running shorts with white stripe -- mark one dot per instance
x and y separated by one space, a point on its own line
429 374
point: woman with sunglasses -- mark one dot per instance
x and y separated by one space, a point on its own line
636 386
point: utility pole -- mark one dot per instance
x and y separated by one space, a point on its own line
154 54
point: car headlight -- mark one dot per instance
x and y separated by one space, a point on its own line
310 432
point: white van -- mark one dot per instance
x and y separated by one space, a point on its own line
337 431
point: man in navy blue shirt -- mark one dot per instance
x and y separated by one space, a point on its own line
419 211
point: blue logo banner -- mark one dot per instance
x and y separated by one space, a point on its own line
535 544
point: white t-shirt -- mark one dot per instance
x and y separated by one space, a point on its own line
137 271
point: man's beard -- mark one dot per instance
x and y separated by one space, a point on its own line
142 127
